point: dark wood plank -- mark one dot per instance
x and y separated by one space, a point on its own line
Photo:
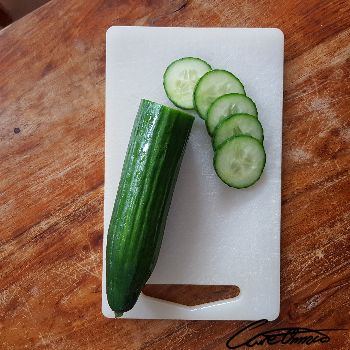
51 174
191 295
5 18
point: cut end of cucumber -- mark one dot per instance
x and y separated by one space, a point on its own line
118 314
240 161
153 105
180 79
212 85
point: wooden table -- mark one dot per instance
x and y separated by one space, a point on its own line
51 175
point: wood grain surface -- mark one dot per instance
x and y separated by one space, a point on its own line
52 74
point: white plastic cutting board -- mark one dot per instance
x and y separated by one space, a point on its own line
214 234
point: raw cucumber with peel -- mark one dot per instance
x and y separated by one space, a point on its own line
149 174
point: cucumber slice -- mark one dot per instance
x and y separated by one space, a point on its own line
239 161
180 79
235 125
212 85
227 105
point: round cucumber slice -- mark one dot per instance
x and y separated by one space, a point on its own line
240 161
212 85
180 79
227 105
235 125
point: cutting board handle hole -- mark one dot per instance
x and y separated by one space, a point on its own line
189 294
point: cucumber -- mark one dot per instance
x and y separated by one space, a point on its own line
150 170
212 85
227 105
237 124
181 77
240 161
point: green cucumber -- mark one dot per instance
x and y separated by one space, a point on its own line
181 77
237 124
150 170
213 84
240 161
227 105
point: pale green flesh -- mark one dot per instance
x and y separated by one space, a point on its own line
237 124
240 161
212 85
227 105
180 79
